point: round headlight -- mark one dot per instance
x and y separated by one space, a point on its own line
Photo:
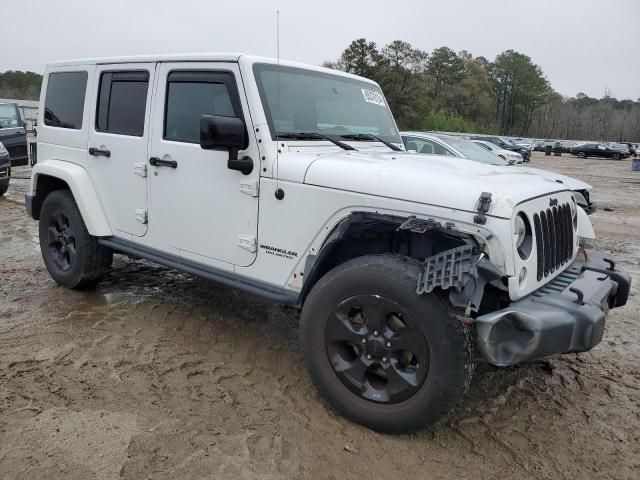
523 236
519 230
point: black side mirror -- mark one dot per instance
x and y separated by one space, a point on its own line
226 133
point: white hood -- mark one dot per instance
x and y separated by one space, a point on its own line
446 182
569 182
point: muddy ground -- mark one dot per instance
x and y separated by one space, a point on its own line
157 374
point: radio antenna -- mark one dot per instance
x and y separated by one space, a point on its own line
279 193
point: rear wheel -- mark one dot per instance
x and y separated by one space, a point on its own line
4 186
381 354
582 155
72 256
617 156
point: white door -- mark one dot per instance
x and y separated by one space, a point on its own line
118 142
196 203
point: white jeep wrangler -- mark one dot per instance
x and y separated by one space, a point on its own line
290 181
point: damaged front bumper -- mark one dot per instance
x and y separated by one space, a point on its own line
566 315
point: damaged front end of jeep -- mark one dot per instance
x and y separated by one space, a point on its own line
562 315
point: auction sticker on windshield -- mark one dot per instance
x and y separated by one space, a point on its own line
373 97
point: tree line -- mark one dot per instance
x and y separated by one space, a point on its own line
20 85
455 91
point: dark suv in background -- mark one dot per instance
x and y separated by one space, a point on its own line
524 151
13 133
5 169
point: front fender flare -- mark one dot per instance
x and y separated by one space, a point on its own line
83 192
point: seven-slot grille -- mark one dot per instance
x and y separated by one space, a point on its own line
554 238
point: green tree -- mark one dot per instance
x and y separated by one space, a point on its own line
361 57
520 87
444 68
20 85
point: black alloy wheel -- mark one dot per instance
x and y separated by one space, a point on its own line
61 241
377 349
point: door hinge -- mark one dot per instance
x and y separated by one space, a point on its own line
248 242
250 187
141 215
140 168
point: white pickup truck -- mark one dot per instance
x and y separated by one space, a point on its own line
291 181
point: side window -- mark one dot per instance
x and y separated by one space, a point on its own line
413 143
428 147
64 101
190 95
122 102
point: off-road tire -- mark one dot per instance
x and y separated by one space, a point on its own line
451 345
91 261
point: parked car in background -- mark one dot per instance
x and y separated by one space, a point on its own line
508 155
13 133
5 169
523 142
505 145
584 150
455 146
449 145
541 145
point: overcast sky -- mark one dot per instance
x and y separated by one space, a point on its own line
581 45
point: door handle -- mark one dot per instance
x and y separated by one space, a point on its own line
96 152
158 162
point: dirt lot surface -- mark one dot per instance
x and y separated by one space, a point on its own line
157 374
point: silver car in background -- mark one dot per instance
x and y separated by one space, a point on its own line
455 146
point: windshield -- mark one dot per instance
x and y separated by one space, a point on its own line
322 103
473 151
8 116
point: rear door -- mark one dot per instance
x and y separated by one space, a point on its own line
118 142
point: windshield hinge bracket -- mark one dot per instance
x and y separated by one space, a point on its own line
484 203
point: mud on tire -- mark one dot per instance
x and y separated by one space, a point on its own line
392 377
72 256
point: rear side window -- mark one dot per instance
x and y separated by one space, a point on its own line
191 94
64 102
122 102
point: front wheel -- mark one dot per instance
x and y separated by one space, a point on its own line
381 354
4 186
617 156
73 257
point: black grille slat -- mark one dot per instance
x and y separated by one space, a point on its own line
539 244
554 238
568 232
546 231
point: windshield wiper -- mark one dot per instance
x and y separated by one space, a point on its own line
313 136
368 136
